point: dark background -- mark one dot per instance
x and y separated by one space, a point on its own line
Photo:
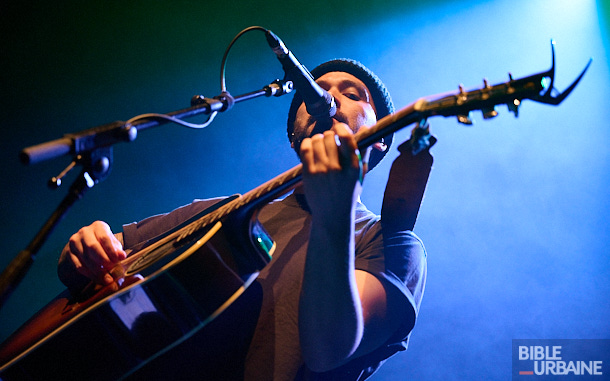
515 218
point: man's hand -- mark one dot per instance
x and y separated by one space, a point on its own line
331 171
92 251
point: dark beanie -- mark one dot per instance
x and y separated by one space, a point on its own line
379 94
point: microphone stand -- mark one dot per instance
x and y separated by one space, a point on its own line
92 148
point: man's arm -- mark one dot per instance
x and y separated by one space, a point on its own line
343 312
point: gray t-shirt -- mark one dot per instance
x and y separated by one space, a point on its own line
269 344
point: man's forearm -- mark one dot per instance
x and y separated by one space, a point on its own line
330 314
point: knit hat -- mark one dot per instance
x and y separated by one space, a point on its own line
379 94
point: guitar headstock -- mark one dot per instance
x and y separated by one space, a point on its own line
538 87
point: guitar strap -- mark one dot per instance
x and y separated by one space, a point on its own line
407 181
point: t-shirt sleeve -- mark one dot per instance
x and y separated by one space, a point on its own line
398 259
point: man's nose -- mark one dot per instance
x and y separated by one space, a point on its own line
336 95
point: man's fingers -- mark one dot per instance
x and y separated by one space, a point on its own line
99 274
332 147
348 147
331 151
112 247
94 250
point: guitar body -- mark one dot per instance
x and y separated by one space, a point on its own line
121 328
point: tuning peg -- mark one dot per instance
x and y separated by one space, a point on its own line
489 113
462 96
514 106
465 119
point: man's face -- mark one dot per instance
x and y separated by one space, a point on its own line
354 107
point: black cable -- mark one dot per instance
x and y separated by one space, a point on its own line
223 86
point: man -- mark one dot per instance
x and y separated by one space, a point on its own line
342 291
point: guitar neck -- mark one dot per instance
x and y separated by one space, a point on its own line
365 137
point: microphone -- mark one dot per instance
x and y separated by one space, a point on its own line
318 102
